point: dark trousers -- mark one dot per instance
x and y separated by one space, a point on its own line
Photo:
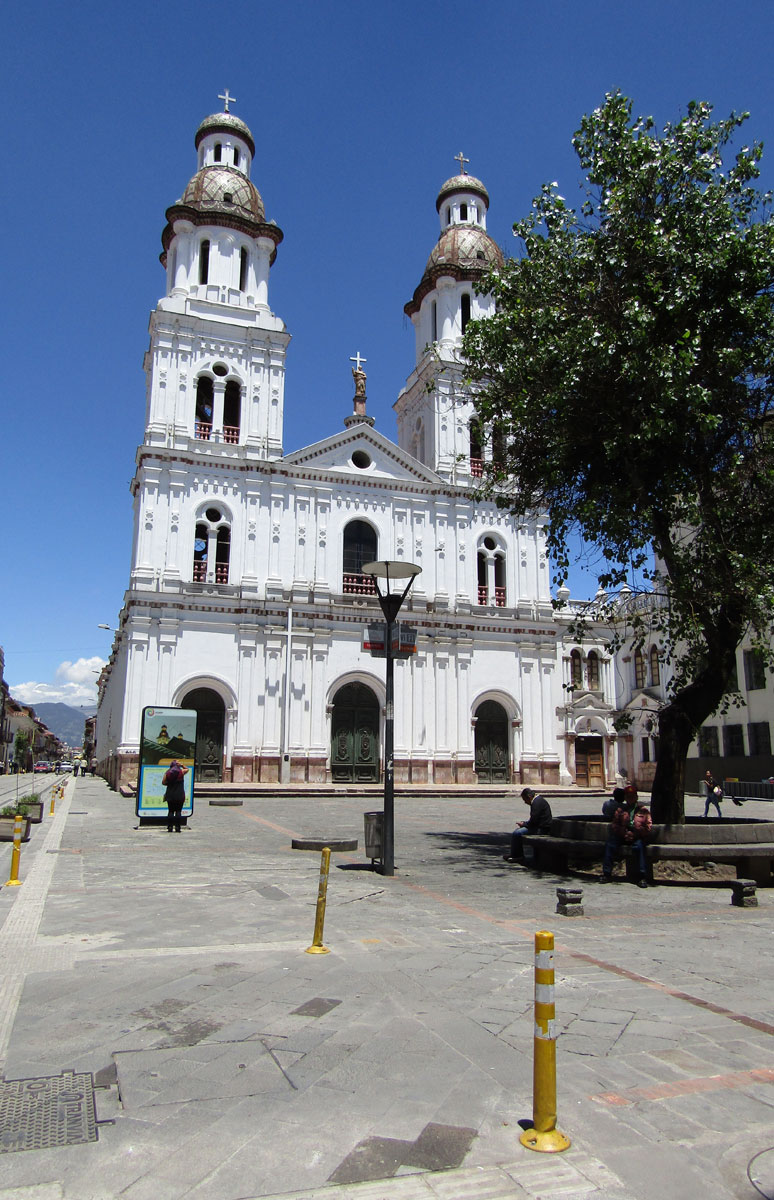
614 844
173 817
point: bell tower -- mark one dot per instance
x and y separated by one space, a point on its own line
433 411
216 364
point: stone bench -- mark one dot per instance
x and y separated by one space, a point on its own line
747 844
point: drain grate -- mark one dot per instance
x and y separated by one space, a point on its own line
41 1114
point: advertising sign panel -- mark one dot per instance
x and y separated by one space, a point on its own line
167 734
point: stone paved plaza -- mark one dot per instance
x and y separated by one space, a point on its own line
230 1064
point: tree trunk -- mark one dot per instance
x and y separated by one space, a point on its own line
678 725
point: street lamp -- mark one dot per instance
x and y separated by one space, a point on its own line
393 582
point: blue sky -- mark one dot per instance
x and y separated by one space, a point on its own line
357 110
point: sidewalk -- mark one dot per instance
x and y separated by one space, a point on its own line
231 1065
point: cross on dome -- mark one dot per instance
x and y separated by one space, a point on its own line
461 159
227 100
358 361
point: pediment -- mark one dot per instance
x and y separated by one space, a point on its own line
362 453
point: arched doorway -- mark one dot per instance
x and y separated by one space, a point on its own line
355 735
492 755
210 729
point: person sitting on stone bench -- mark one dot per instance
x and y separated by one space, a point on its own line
630 826
539 821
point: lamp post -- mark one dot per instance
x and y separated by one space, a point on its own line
393 582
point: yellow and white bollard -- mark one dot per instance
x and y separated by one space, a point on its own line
544 1135
15 881
319 920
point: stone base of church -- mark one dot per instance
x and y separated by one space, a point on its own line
434 771
535 770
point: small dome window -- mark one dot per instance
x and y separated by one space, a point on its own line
236 157
228 197
218 152
463 212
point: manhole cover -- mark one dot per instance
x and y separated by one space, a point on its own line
40 1114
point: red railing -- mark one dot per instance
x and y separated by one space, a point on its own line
483 595
358 585
231 434
500 597
203 430
199 572
221 572
477 467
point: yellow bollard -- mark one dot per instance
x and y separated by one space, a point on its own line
544 1135
53 799
15 881
319 920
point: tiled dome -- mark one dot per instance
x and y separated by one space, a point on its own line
462 183
223 190
462 251
225 123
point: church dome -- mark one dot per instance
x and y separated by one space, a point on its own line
224 190
462 183
463 251
225 122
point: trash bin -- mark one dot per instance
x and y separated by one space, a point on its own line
374 834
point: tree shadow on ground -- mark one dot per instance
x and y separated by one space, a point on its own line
478 849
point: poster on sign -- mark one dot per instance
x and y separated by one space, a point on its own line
168 735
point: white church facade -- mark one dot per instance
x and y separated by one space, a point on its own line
246 598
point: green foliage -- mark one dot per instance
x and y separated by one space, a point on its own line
629 371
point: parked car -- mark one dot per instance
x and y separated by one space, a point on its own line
42 767
63 766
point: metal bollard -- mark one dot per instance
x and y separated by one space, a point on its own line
53 801
543 1135
15 881
319 920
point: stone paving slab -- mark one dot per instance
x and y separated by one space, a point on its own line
235 1065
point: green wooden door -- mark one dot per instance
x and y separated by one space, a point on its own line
492 755
355 735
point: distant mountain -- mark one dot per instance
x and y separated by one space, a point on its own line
65 721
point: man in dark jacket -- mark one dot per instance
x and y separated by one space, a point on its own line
539 821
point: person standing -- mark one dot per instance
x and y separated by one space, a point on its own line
539 821
714 794
173 781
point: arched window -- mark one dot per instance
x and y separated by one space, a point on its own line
639 669
243 270
200 554
476 450
655 668
217 153
236 156
204 261
232 405
592 670
222 554
204 400
463 212
464 310
212 547
490 562
576 669
361 545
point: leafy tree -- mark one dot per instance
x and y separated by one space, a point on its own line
21 749
628 369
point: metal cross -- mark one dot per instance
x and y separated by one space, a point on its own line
227 100
461 159
357 360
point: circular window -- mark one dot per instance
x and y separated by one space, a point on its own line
212 514
361 460
490 543
220 369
